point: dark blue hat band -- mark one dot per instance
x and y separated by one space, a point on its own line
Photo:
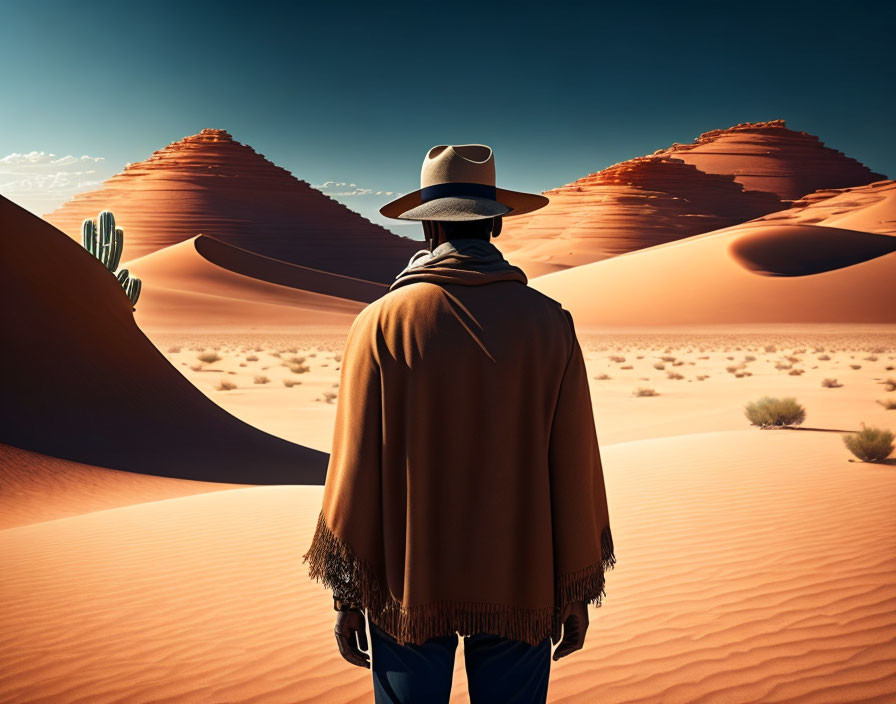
447 190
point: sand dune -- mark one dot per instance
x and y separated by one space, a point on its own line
870 208
36 488
205 284
769 576
702 280
90 387
209 183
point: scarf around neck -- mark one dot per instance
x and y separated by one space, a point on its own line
469 261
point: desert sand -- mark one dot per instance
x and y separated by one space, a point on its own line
741 274
211 184
754 565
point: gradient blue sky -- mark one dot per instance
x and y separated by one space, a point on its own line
357 93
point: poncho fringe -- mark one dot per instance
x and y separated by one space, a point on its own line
356 583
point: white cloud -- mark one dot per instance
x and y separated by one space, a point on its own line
343 188
42 181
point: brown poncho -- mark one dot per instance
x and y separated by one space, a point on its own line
465 491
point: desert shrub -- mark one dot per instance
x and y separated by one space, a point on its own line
831 383
299 368
888 403
732 368
173 350
295 360
781 365
329 396
337 358
792 359
824 357
674 375
668 359
890 385
627 366
771 348
659 365
644 391
208 356
225 385
770 412
617 359
871 358
870 444
855 366
701 377
796 372
749 358
602 377
289 383
261 379
196 367
251 358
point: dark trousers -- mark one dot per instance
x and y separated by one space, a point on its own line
499 671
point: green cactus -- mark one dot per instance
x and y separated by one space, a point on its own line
88 235
106 242
133 289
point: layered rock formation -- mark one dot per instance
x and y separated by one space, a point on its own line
211 184
83 383
635 204
766 156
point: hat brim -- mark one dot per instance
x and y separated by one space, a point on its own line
506 204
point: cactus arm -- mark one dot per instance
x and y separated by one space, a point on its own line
106 236
117 246
88 235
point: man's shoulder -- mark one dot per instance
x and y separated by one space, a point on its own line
402 300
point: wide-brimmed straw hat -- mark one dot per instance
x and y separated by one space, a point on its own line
457 182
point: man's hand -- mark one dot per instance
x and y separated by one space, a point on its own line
575 624
349 624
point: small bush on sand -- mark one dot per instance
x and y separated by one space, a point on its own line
261 379
890 385
831 383
659 365
616 358
602 377
674 375
668 359
329 396
749 358
870 444
299 368
173 350
888 403
208 356
251 358
769 412
855 366
781 365
824 357
289 383
796 372
196 367
295 360
644 391
225 385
